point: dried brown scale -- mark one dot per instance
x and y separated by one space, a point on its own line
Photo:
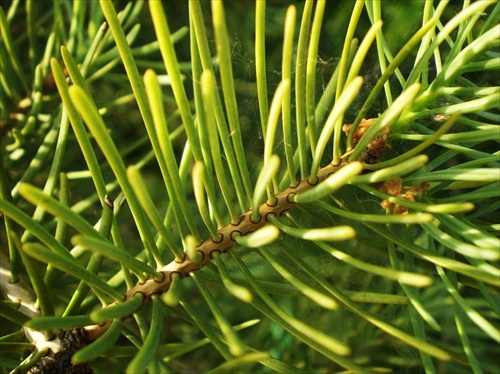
245 226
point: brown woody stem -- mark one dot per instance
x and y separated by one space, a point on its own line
245 226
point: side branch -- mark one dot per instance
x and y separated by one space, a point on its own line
227 233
